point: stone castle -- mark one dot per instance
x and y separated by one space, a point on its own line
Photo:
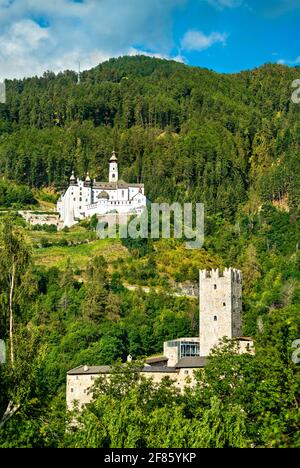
85 198
220 315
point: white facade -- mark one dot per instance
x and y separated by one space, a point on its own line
84 199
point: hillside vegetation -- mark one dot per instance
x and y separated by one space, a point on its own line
188 134
191 135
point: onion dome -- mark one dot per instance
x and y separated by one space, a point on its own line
114 157
72 179
88 181
103 195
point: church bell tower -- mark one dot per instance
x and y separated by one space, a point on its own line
113 168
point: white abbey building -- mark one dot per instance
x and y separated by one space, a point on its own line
84 199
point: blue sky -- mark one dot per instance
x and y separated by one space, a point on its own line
223 35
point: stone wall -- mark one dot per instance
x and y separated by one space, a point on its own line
187 289
36 219
220 307
78 387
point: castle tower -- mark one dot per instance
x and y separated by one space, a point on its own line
220 307
113 168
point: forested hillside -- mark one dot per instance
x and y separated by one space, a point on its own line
191 135
187 133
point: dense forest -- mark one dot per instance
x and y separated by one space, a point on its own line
191 135
187 133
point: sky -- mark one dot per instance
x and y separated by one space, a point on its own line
223 35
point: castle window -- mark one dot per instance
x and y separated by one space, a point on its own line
215 286
215 318
224 304
74 199
80 199
186 372
72 390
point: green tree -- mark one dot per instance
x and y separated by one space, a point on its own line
14 264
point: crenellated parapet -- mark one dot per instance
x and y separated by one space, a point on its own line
228 273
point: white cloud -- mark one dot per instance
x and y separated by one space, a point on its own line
20 48
296 61
39 35
225 3
197 40
22 36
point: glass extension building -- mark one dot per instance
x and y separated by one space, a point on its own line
182 348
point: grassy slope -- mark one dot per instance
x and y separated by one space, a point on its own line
79 255
173 260
81 246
